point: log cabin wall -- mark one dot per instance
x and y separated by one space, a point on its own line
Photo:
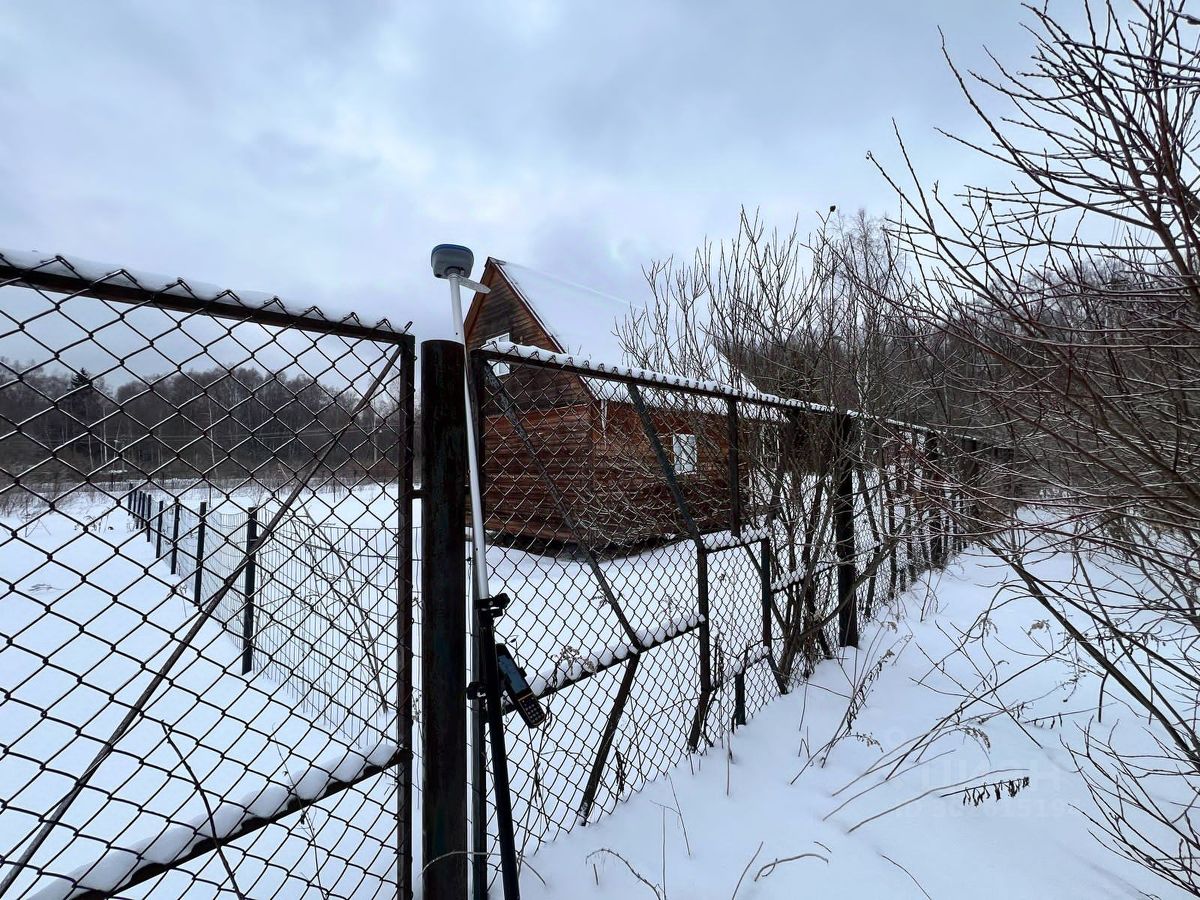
633 500
518 498
595 452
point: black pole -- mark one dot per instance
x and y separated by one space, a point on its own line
488 608
485 616
196 598
158 531
444 627
479 722
175 539
405 602
735 482
936 485
251 575
843 532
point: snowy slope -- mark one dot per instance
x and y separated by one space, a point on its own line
780 791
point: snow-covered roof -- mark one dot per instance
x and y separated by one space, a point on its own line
582 321
36 262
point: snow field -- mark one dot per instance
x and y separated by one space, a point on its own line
807 781
89 617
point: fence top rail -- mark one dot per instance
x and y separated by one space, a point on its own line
582 365
82 277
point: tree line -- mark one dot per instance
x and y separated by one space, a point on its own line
215 422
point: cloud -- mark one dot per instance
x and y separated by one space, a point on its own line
320 150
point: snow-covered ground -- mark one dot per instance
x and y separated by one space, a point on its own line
89 615
803 803
836 780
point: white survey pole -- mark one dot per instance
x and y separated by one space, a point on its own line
478 538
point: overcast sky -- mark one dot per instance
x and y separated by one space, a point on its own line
318 149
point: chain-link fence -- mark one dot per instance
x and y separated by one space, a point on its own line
677 554
206 674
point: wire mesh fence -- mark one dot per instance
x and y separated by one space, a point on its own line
209 572
677 555
207 562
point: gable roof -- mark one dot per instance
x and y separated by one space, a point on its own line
579 320
581 323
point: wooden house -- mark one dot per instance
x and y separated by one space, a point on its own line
580 467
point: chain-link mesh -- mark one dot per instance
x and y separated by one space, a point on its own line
208 598
677 555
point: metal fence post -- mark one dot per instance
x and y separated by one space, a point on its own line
843 532
175 538
251 575
735 482
405 602
158 531
916 540
704 638
200 529
444 624
937 486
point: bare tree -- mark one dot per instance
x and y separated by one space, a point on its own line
1065 310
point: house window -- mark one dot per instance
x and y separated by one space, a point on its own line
501 369
685 453
768 448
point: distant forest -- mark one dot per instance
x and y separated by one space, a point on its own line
63 425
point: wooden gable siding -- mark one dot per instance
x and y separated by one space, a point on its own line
594 454
503 312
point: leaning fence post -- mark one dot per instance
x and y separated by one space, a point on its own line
843 532
444 620
147 515
200 529
251 574
158 531
175 538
